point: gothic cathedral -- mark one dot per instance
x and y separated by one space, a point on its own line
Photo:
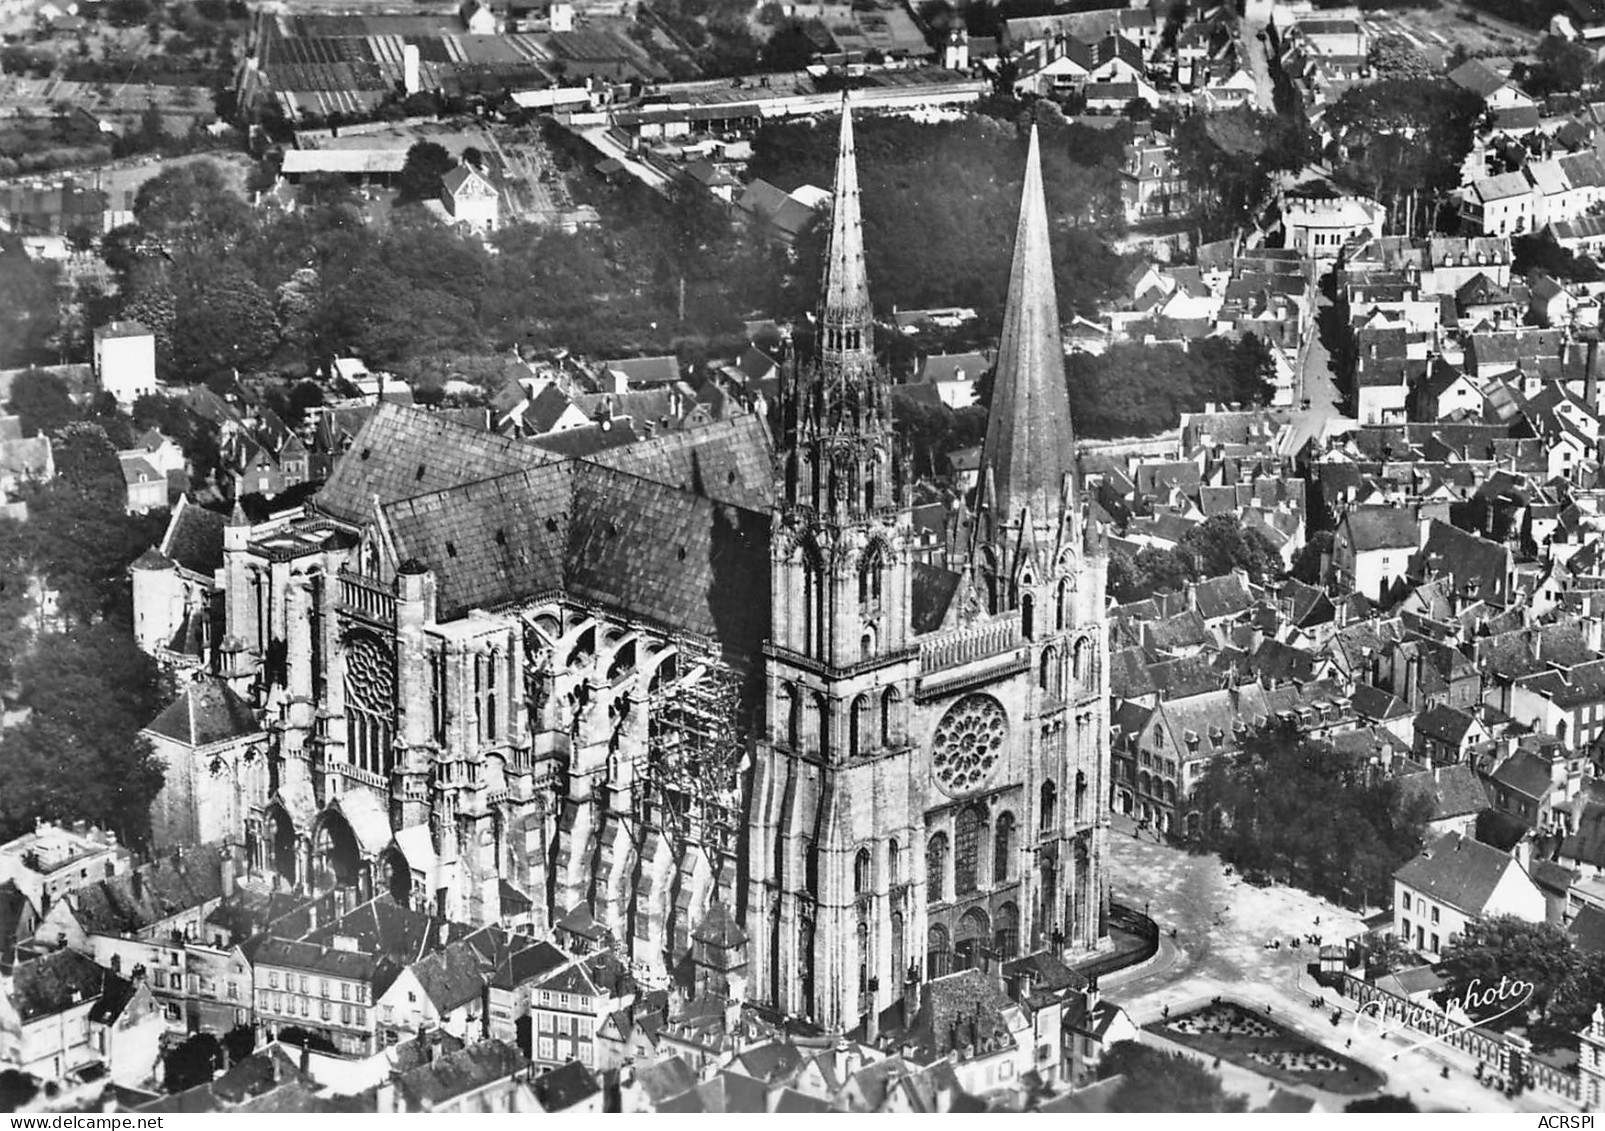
927 791
714 676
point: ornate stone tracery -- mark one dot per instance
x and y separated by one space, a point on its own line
968 743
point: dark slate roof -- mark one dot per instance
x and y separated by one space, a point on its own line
564 1087
1527 773
1222 596
457 1074
1587 931
207 710
126 904
1374 703
1129 675
727 461
1383 528
115 995
450 977
1457 871
1444 724
659 552
933 589
1578 686
289 954
491 541
1587 844
383 926
53 983
402 452
1454 791
665 1079
674 558
194 538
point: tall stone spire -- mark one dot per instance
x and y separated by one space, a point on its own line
1028 457
845 319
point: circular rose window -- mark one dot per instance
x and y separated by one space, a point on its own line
969 740
370 674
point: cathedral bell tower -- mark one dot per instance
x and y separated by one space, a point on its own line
839 666
843 491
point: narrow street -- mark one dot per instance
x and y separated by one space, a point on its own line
1257 50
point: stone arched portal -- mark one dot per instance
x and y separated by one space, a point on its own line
281 844
337 858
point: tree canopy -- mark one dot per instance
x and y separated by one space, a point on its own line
79 754
1221 544
1158 1081
1504 947
1400 136
1132 389
955 247
42 400
1236 153
1314 815
427 162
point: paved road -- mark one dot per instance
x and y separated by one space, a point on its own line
1258 58
1222 927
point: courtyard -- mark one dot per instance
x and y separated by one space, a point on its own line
1253 1041
1224 948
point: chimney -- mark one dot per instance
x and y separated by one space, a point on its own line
136 881
226 866
872 1025
911 994
1524 853
306 1059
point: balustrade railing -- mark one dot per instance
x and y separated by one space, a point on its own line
970 644
366 597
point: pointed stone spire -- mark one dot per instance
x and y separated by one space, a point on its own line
844 310
237 515
1029 446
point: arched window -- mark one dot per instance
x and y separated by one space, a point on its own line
1081 795
1050 803
973 935
894 862
967 851
811 868
1082 663
938 951
1028 607
936 868
889 704
1048 675
1061 609
861 872
866 644
822 711
899 959
869 575
793 708
863 957
861 725
1006 933
1003 848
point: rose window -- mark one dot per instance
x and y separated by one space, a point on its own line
969 740
370 674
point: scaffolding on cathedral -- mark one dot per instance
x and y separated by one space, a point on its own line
695 754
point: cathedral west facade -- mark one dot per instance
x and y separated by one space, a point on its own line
715 667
